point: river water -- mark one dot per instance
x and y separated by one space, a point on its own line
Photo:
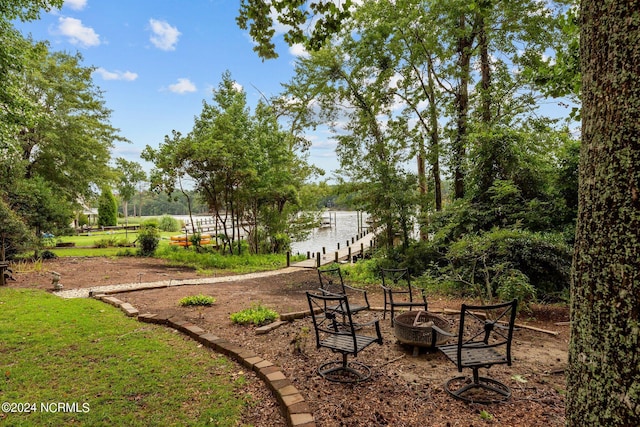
344 226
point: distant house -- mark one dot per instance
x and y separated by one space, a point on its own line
90 213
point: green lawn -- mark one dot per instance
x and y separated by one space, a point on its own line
106 369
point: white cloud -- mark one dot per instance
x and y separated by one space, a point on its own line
116 75
164 36
238 87
183 86
298 50
75 4
78 33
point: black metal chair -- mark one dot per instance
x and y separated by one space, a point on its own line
331 283
399 292
484 340
340 337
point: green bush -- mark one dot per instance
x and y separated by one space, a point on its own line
148 238
82 220
515 284
151 222
194 300
258 315
503 258
48 255
169 223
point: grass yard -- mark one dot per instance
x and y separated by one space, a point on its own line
106 369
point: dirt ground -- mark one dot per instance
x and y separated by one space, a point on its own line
405 390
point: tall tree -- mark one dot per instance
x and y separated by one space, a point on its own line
107 208
15 107
130 174
604 361
170 169
69 141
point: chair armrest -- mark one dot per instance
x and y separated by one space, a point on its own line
328 293
442 332
362 291
434 334
351 288
393 291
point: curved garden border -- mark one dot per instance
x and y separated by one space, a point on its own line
295 408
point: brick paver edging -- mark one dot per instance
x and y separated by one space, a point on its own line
296 410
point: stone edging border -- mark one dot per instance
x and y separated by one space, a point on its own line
295 408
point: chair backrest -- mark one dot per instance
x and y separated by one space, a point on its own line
396 278
331 316
486 327
331 280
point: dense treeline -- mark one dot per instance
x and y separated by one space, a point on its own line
436 109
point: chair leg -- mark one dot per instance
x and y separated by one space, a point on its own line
478 389
342 371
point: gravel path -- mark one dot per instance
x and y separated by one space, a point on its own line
85 292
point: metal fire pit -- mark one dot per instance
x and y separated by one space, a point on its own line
414 328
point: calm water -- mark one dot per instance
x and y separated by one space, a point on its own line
344 226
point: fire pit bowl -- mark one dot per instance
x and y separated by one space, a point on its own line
414 328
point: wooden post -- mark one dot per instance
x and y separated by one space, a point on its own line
349 255
338 245
308 255
288 259
337 259
318 259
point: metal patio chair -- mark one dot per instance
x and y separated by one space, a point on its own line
340 336
331 283
399 292
484 339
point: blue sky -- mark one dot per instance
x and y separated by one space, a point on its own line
157 60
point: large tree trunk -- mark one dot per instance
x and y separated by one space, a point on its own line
604 353
465 48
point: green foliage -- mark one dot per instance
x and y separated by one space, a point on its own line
15 236
509 263
169 223
246 168
197 300
515 284
82 220
47 255
35 201
209 259
148 239
151 222
107 208
257 315
112 241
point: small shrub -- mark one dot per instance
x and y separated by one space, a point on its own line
169 223
515 284
149 238
197 300
48 255
126 252
122 243
258 315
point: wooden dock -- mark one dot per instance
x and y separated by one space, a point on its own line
344 254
